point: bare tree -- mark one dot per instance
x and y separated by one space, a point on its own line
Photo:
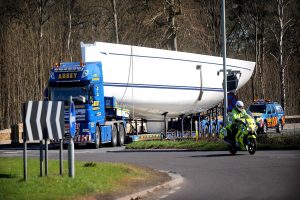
164 18
115 20
283 54
173 11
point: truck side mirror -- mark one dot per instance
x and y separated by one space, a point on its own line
80 98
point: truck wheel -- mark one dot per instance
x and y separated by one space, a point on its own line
121 135
114 134
97 138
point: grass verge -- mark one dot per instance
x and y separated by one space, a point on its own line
201 145
92 180
279 142
265 142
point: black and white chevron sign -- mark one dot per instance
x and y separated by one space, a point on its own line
44 120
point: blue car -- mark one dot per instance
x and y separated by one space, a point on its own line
268 115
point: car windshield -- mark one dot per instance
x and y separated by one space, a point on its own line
257 108
279 108
64 93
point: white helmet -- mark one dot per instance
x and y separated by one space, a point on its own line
239 105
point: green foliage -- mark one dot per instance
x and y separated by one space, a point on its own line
286 142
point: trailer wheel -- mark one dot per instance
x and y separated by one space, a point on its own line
206 131
114 135
121 135
214 130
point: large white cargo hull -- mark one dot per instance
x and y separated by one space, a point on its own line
153 81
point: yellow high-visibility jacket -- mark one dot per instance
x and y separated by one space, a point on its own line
236 115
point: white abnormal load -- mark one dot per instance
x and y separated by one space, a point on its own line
154 81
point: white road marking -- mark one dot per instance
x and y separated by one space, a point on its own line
88 151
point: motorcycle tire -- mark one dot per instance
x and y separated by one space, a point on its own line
232 149
252 146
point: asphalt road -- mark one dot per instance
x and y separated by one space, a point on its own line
208 175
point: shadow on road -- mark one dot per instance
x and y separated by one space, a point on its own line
216 155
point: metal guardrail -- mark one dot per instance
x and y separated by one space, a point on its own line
292 117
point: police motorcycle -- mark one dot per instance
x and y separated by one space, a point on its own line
245 139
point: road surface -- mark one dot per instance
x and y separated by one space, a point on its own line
208 175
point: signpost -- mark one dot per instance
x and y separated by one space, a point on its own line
72 120
224 62
42 120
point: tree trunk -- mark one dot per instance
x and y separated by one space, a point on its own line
115 21
172 28
280 59
172 25
40 74
70 28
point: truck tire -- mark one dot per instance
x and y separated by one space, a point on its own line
114 134
97 142
121 135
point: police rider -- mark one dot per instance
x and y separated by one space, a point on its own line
236 117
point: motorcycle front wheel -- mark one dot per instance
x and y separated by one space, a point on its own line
251 146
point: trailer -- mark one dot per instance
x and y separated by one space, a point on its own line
99 119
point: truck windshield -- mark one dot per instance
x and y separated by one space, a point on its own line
64 93
257 108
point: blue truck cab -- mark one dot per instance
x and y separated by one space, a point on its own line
99 119
268 115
